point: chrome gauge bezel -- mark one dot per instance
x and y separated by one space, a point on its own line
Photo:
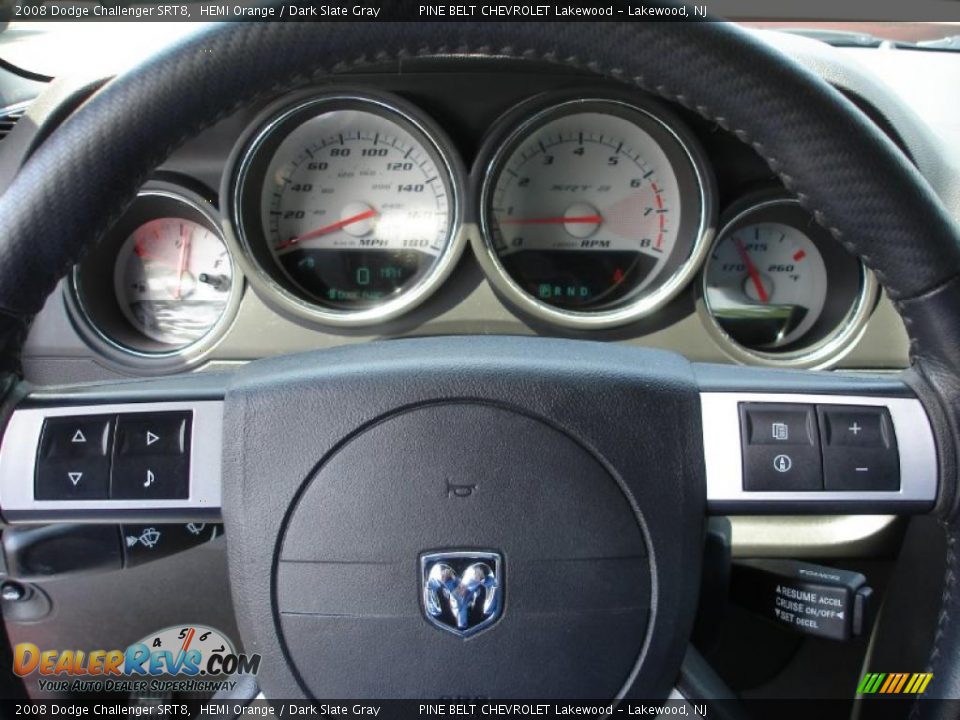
510 132
820 354
109 333
251 246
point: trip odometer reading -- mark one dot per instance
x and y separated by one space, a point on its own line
592 211
356 203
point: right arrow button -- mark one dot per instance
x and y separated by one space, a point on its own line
153 433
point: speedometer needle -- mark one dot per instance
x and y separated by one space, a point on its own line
327 229
752 270
579 219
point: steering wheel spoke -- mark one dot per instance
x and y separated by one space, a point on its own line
128 452
797 442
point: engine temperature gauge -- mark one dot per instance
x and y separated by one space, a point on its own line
779 288
766 284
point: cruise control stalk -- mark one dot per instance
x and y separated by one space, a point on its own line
811 599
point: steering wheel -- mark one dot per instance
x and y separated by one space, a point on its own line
574 477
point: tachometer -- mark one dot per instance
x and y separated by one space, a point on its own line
349 207
780 289
594 212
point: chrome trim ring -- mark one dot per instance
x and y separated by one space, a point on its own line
263 279
824 353
646 301
125 357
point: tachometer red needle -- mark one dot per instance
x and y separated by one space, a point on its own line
326 229
752 269
579 219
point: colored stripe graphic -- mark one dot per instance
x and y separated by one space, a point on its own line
891 680
894 683
900 682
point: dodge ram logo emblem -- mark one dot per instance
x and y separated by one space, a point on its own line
462 591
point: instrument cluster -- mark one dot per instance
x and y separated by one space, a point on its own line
586 211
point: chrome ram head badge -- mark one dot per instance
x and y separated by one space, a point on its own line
462 590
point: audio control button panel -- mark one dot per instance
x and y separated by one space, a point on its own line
114 462
127 456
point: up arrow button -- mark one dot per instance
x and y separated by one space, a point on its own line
73 438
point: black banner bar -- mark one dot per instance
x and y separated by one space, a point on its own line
479 709
945 11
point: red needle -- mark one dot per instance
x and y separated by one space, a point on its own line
584 219
752 269
326 229
182 264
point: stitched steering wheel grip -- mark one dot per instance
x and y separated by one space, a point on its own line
844 170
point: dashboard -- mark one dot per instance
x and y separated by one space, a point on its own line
479 196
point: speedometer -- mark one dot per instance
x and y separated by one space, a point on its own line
595 212
350 207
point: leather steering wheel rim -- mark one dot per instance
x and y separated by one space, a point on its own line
844 170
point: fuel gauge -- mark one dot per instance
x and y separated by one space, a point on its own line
780 289
160 290
173 279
